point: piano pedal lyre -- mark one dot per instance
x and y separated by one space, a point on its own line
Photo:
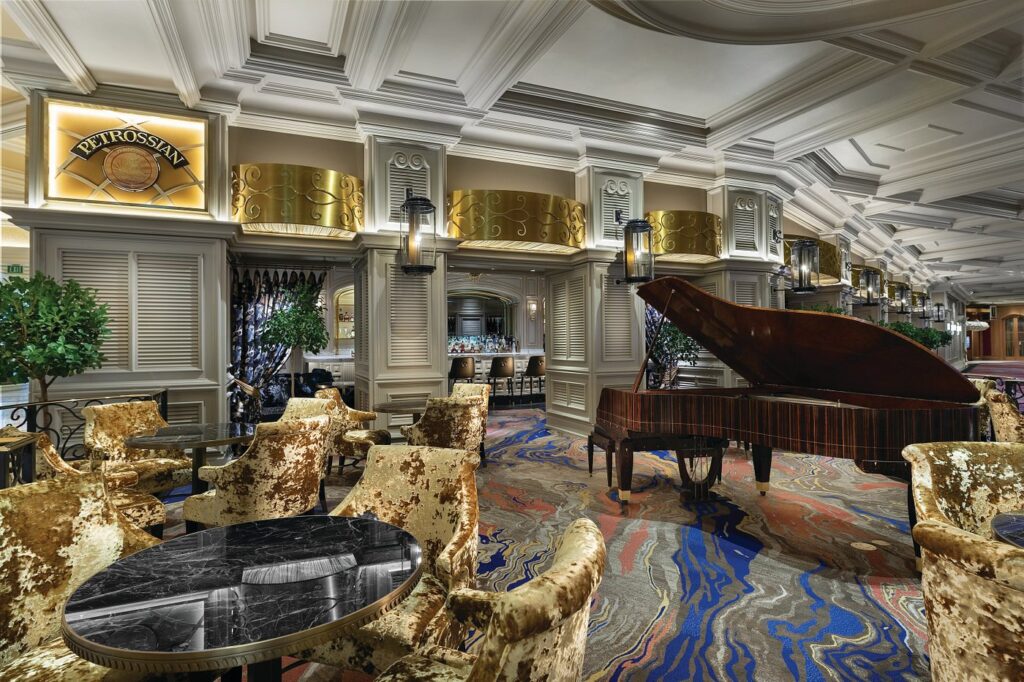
700 467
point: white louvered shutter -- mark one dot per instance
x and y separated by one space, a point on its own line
744 223
617 320
109 273
577 319
404 175
185 413
774 227
560 320
167 293
745 293
362 300
614 197
407 318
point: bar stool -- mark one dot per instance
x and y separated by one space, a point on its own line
501 368
462 368
534 370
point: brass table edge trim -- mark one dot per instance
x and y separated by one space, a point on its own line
240 654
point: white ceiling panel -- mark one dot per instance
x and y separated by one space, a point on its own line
449 36
602 57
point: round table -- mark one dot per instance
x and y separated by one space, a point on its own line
413 407
241 595
194 437
1009 527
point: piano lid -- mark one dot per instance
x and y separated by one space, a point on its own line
797 348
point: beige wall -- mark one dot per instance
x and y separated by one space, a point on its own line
465 173
790 226
662 197
247 145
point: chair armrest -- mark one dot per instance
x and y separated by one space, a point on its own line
989 559
472 606
459 660
409 432
116 480
456 564
211 474
361 416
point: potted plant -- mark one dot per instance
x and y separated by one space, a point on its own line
930 338
298 325
671 347
49 330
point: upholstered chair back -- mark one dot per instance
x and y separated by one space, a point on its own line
54 535
49 463
984 415
1007 421
450 423
278 475
973 584
538 631
430 492
106 427
474 390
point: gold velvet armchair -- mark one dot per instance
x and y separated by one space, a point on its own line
353 422
107 426
449 423
42 564
535 632
277 476
973 585
482 391
430 492
1007 421
142 509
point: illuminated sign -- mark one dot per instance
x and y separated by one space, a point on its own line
128 157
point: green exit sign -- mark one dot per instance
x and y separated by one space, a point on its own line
14 269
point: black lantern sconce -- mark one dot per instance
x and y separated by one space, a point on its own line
419 239
902 294
940 312
638 252
804 263
870 285
926 307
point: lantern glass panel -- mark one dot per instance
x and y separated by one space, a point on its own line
805 265
638 255
870 283
419 240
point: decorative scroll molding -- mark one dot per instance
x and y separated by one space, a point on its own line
506 219
686 236
289 199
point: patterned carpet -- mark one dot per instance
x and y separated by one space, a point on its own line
814 581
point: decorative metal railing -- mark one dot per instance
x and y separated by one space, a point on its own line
62 420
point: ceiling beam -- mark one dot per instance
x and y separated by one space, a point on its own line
226 30
998 248
524 31
376 39
964 177
181 71
36 23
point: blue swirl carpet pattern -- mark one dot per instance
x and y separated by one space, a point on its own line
815 581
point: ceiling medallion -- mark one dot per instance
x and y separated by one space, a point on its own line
131 168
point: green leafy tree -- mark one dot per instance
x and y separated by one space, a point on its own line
49 330
298 324
671 348
930 338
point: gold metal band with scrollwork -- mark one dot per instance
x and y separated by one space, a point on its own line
830 259
292 199
687 235
498 215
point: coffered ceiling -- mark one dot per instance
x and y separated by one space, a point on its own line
900 125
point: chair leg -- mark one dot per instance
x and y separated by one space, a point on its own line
323 496
156 530
330 462
192 527
483 457
590 454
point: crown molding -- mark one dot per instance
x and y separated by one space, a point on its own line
407 129
522 156
523 33
298 92
225 25
181 71
269 59
128 222
286 122
33 19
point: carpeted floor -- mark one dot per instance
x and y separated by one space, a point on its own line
814 581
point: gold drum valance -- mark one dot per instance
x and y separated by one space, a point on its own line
686 236
284 198
513 220
830 260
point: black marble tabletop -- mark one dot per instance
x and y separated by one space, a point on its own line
240 594
1009 527
187 436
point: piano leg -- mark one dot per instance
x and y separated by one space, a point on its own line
625 461
590 453
609 458
762 467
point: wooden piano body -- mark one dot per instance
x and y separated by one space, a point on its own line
820 384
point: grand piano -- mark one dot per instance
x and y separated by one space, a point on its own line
819 384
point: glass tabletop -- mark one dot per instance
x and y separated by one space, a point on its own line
240 594
185 436
1009 527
